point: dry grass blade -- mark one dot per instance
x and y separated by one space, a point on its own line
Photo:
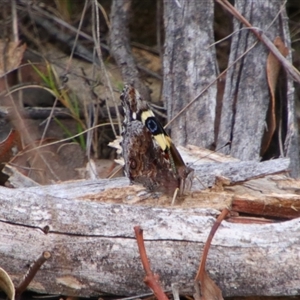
273 68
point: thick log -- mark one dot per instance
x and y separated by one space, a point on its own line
94 250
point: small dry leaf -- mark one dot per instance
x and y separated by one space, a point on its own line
11 56
273 68
116 144
6 285
209 290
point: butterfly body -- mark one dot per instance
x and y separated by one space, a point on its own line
150 156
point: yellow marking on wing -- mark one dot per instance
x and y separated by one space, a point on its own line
147 114
162 141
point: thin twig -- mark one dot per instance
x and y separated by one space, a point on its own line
76 37
16 40
149 72
14 22
81 50
151 279
221 217
31 273
66 139
48 121
16 114
62 22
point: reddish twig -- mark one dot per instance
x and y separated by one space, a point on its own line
31 273
201 270
151 279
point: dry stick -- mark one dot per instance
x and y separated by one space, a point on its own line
151 279
104 14
263 38
31 273
149 72
136 297
38 113
60 22
96 36
43 135
201 270
88 117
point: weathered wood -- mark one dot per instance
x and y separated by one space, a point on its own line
208 164
92 243
94 250
120 46
237 171
246 97
291 143
189 66
246 91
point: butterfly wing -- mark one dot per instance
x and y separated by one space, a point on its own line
167 168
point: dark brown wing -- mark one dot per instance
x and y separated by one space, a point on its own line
157 165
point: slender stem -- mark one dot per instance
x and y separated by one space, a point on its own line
31 273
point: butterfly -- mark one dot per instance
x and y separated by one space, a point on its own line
150 156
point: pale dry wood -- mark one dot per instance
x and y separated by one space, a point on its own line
246 91
208 165
93 248
94 251
189 65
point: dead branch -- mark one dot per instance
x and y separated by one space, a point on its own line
94 250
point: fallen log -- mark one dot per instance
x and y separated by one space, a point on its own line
94 252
